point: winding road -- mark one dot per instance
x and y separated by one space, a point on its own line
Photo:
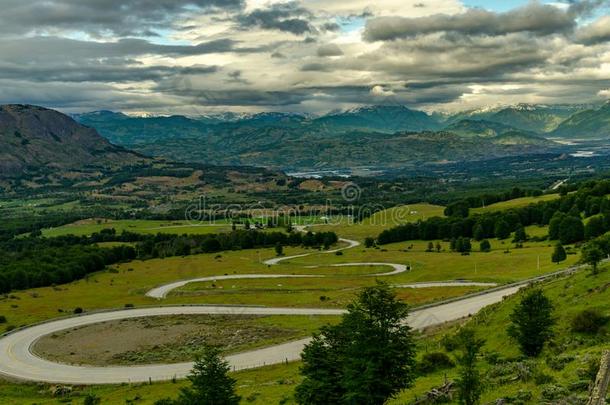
18 361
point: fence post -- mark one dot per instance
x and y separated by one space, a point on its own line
598 394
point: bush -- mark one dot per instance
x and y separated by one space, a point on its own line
2 319
558 363
552 392
588 321
434 361
78 310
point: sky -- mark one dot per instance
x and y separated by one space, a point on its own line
196 57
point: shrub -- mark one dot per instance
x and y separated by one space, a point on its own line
92 399
552 392
588 321
558 363
2 319
485 246
78 310
434 361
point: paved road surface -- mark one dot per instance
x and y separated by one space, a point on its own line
17 360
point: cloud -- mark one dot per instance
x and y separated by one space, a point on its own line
103 17
596 32
49 49
287 17
379 91
190 56
329 50
604 93
534 17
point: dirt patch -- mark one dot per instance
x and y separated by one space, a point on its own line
161 339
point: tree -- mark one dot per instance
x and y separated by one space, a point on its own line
478 232
366 359
571 229
520 235
279 249
595 227
210 383
502 229
369 242
469 382
463 245
458 209
592 255
485 246
559 254
439 247
532 322
430 247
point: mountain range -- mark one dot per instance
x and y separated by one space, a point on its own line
382 135
34 138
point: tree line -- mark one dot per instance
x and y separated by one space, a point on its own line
563 215
34 261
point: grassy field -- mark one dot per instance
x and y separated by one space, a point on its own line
89 226
380 221
172 339
127 283
275 384
516 203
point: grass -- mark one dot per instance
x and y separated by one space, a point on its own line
89 226
172 339
267 385
516 203
379 221
127 283
275 384
564 362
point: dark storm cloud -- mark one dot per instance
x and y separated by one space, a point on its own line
534 17
287 17
100 72
231 97
49 49
100 17
453 56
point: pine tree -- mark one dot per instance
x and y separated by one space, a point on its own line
210 383
366 359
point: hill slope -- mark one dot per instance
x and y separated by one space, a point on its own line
526 117
589 124
35 138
